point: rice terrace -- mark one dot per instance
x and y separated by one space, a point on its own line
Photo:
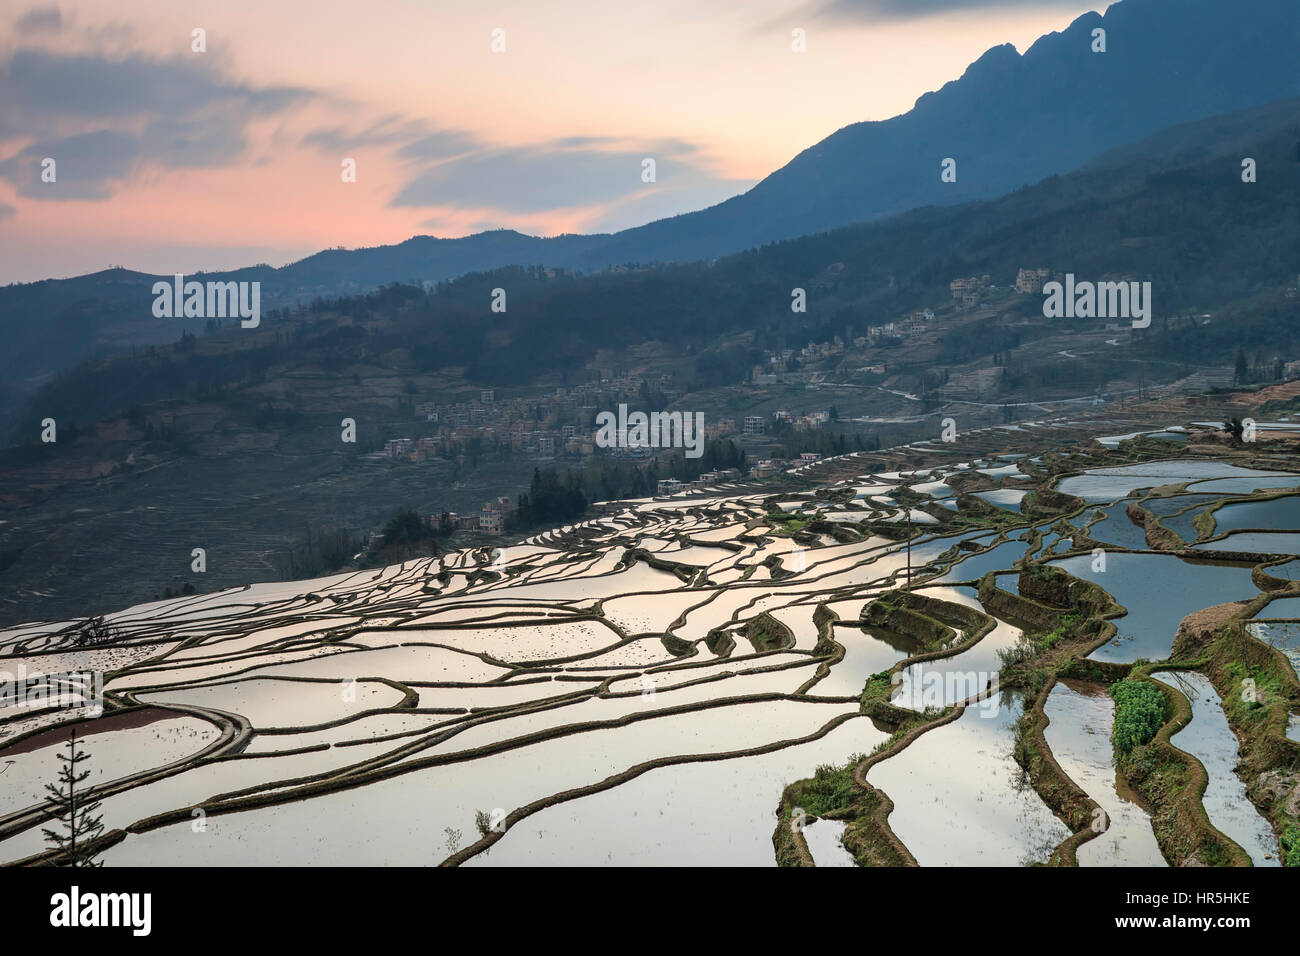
480 464
1093 662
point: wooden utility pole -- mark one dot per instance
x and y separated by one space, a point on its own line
909 544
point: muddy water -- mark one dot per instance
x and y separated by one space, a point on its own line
1210 740
1286 570
1184 523
1081 716
1009 582
1243 486
1287 608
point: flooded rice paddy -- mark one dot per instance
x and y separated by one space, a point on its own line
640 688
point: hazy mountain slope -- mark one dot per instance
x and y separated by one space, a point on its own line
1010 120
1172 211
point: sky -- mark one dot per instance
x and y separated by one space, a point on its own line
170 158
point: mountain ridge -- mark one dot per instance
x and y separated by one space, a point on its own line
1193 227
1009 120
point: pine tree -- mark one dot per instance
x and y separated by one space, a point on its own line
80 823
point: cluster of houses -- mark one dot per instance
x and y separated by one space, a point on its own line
966 290
774 466
913 324
490 520
671 486
814 351
804 422
1030 281
415 449
757 424
541 427
545 428
765 468
539 443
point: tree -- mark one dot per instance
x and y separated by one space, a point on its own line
452 839
94 631
81 826
1240 368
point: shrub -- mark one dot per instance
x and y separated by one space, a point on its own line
1291 844
830 788
1139 712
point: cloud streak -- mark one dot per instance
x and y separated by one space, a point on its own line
558 175
105 120
39 20
883 11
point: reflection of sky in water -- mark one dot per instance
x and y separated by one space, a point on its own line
823 838
975 566
1109 484
1158 591
960 799
1117 529
1263 542
1275 514
1079 737
1210 740
1005 498
1284 635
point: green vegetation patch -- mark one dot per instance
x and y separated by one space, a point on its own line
1030 663
829 788
878 687
1139 712
766 633
1290 841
